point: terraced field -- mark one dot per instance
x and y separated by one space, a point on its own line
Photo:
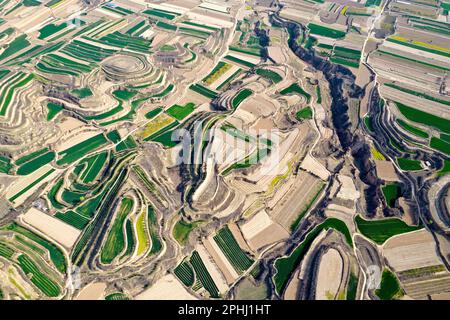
203 275
240 97
319 132
185 273
296 89
381 230
227 243
285 266
115 241
81 149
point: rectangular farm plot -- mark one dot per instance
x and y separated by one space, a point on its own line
411 250
243 59
420 45
303 190
93 167
59 231
220 69
81 149
425 118
204 91
26 185
181 112
419 268
230 248
221 260
207 272
185 273
260 231
168 287
36 163
161 14
325 31
74 219
155 125
226 78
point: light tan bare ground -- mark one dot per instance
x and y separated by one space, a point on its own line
274 233
183 5
426 105
365 101
59 231
313 166
409 214
25 181
260 231
441 296
286 210
347 190
166 288
303 16
210 170
411 250
245 57
386 170
282 152
329 276
208 20
108 13
227 149
256 224
363 78
168 7
238 236
276 54
418 52
11 280
263 124
93 291
292 288
67 125
259 105
224 77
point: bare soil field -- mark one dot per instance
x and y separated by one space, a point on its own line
411 250
298 196
166 288
329 275
386 170
261 231
93 291
54 228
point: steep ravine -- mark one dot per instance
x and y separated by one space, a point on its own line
342 87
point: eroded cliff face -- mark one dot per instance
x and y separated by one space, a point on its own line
342 88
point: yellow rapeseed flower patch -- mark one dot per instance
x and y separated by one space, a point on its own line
344 11
160 121
420 43
377 155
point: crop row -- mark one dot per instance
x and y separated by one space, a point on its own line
115 241
231 249
7 90
185 273
79 150
203 275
